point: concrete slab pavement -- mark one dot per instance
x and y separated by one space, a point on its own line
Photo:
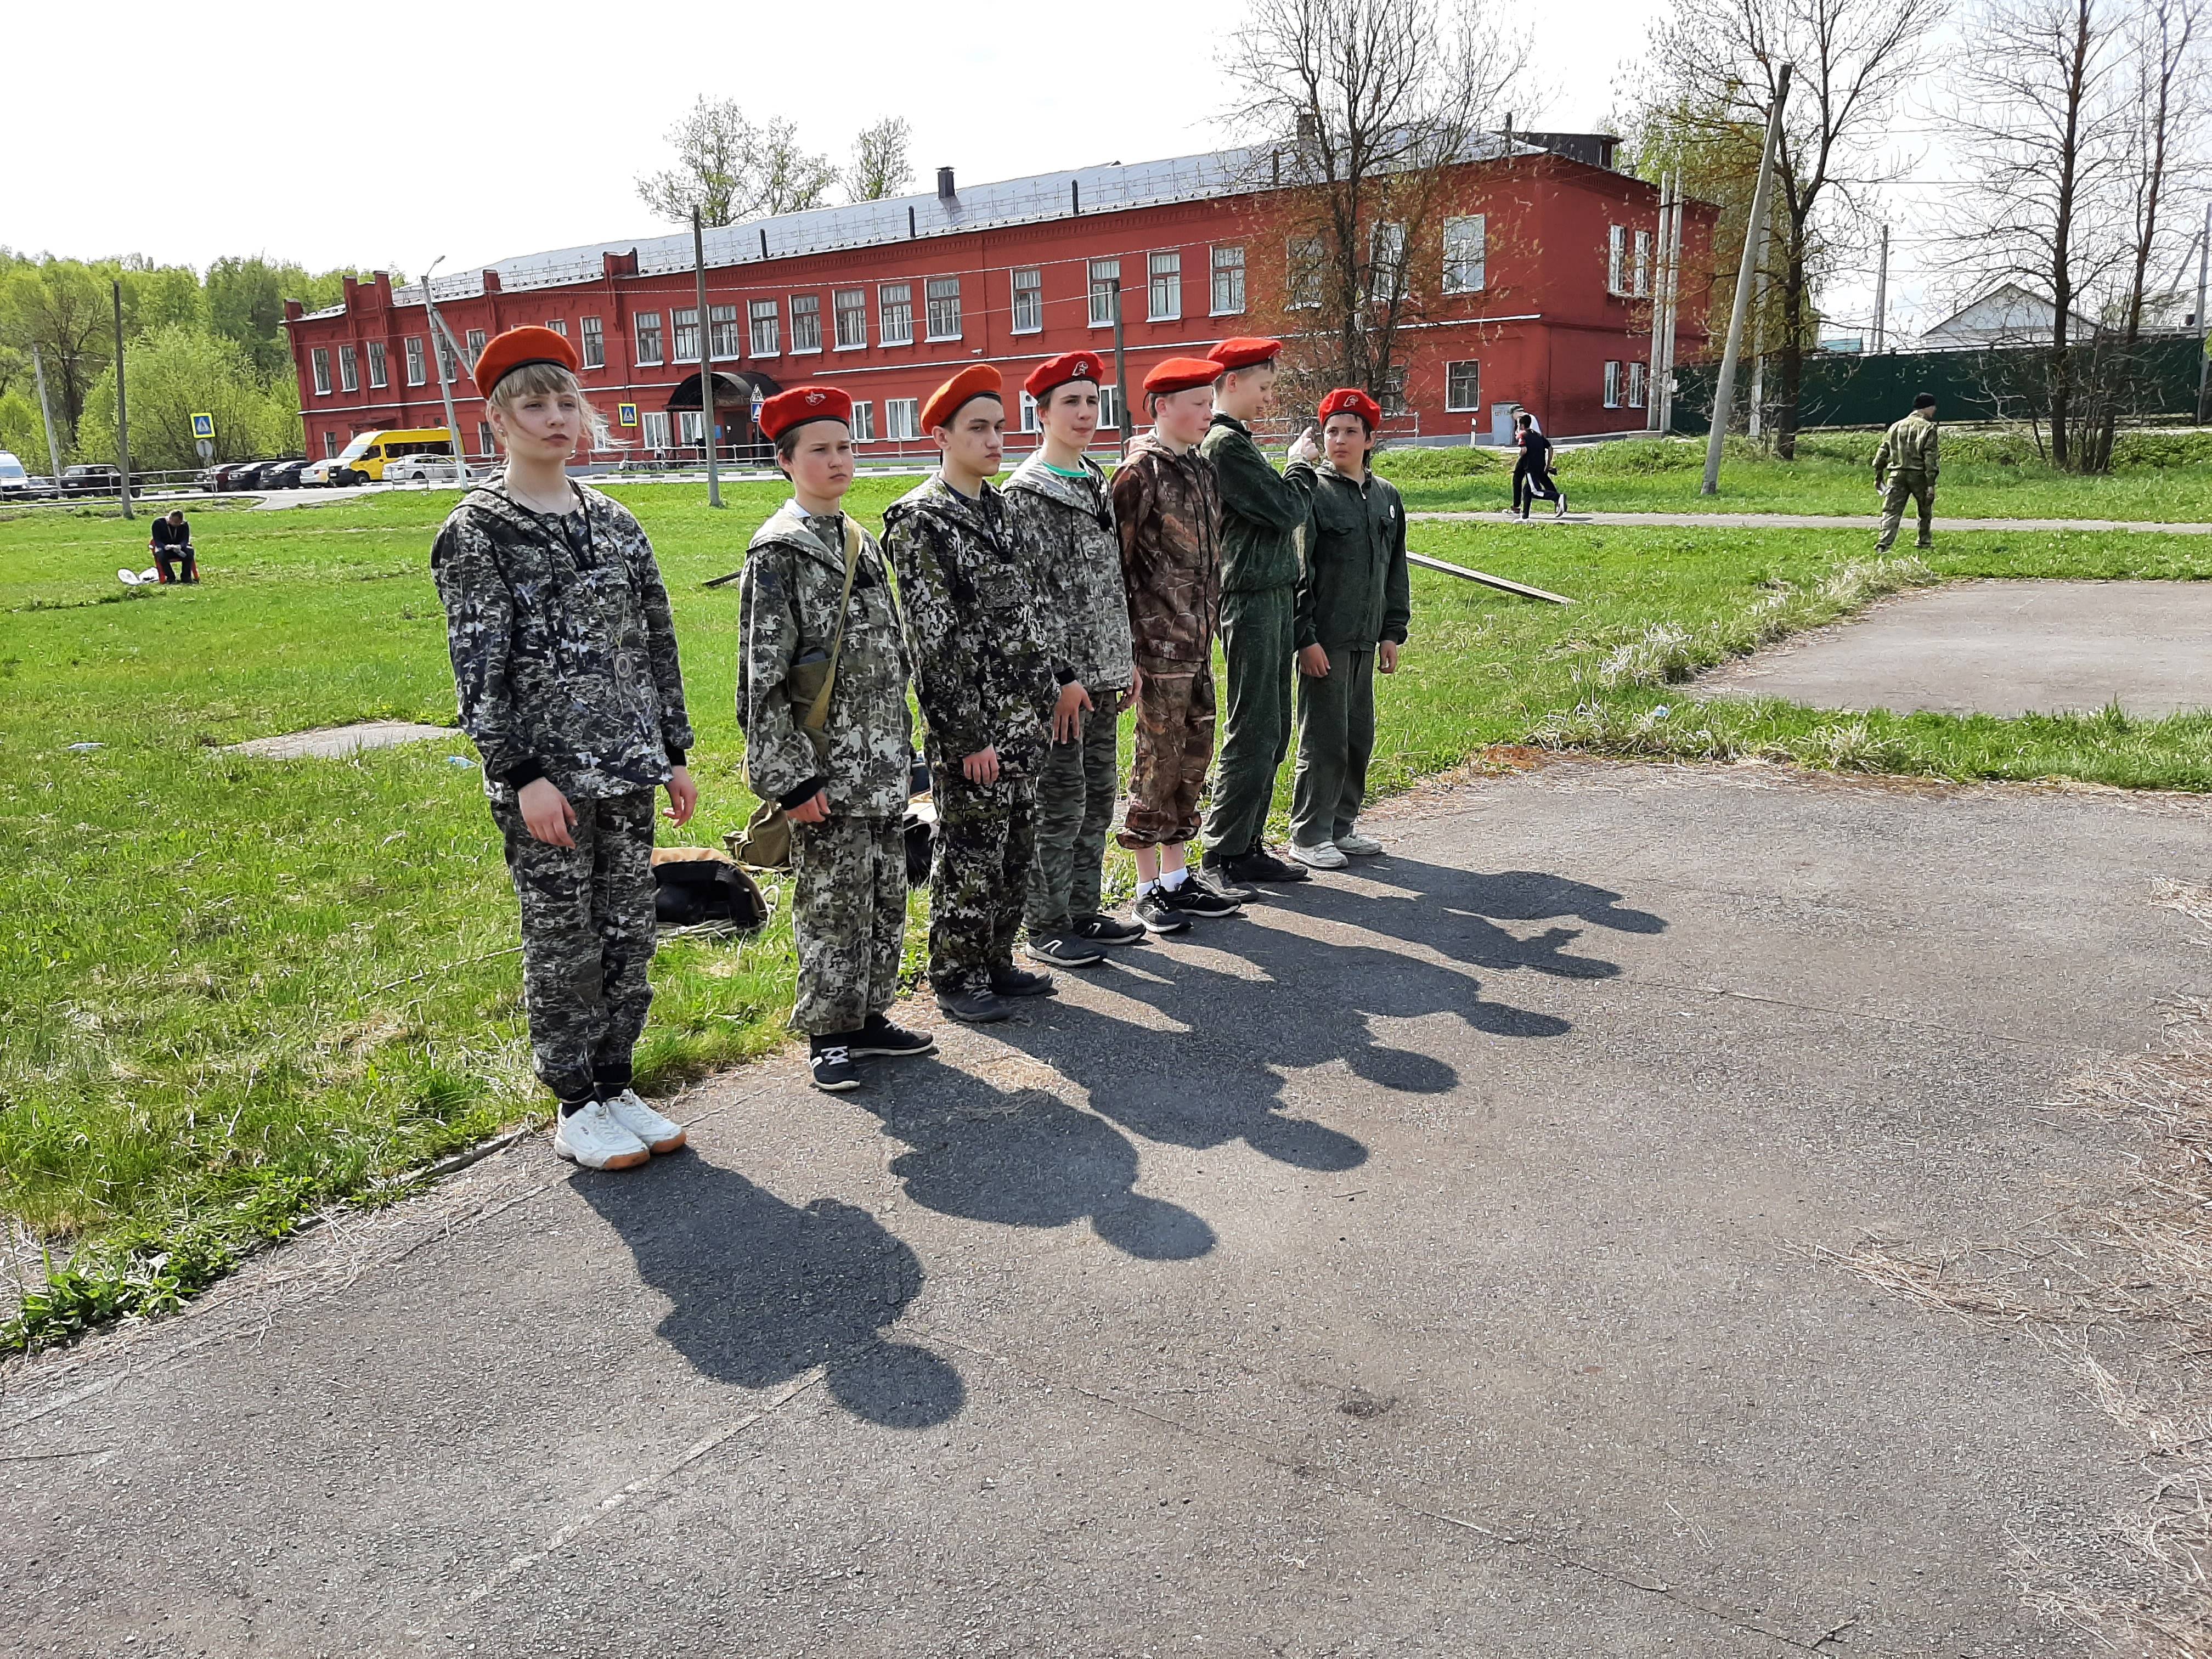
1416 1266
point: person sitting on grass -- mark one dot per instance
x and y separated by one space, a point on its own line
173 547
818 624
564 659
1354 602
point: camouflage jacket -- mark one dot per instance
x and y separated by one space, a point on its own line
976 632
1261 511
787 601
1909 445
1065 528
564 657
1356 588
1169 510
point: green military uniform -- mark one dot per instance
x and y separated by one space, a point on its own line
982 671
849 872
565 663
1064 527
1262 515
1353 592
1908 457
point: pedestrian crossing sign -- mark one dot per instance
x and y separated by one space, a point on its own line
204 426
625 414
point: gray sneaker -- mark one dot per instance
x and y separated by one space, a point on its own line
1063 951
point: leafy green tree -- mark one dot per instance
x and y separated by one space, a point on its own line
62 307
177 372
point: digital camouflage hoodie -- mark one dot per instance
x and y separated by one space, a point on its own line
1064 527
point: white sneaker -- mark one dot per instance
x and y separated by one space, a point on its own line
1324 857
1358 846
660 1134
590 1136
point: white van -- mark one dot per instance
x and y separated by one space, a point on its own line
15 478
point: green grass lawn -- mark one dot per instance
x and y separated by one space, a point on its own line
2159 478
235 990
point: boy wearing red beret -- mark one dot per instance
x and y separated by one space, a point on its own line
983 671
1167 507
1354 602
1062 514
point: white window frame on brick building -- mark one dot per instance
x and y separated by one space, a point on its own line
1386 261
1109 409
894 313
1613 385
1463 387
901 419
1616 260
1104 275
1029 301
348 369
691 427
851 305
1029 413
1640 264
484 439
654 429
1392 397
646 327
943 318
1639 380
1226 264
1467 252
724 339
766 331
864 423
380 366
418 364
329 445
448 366
1163 286
1302 273
686 321
805 323
595 343
559 325
475 338
320 359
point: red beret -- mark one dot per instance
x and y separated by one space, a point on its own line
518 348
1243 352
976 380
1350 400
1182 374
1059 371
803 403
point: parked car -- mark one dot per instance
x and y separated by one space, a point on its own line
317 474
15 477
280 475
93 478
226 476
40 488
422 469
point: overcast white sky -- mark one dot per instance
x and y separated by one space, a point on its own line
353 134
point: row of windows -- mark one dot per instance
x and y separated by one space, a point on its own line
1628 380
1465 267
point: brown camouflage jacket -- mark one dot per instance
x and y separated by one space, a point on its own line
564 656
1065 528
1168 509
1909 445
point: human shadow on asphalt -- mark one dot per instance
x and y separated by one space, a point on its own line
1023 1158
763 1292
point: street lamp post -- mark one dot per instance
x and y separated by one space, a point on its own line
447 353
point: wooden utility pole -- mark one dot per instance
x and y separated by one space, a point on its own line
2203 336
1724 389
122 411
706 363
1120 372
47 414
1881 294
1651 397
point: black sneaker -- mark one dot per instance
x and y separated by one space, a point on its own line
1262 866
831 1062
1013 982
1099 929
1218 875
879 1036
1064 950
1156 915
974 1001
1195 896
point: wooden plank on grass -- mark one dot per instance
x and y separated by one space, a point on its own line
1487 580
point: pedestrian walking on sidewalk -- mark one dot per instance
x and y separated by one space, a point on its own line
981 652
1355 600
1062 511
1904 469
565 662
1263 516
822 680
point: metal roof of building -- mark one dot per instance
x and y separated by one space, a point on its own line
1111 188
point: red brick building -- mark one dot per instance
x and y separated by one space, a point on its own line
1534 291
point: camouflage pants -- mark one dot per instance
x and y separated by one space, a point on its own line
1260 638
849 920
1175 744
1336 738
1904 486
1076 789
588 939
985 842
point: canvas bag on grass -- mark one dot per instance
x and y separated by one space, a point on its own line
765 843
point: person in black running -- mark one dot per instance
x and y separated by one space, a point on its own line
1532 473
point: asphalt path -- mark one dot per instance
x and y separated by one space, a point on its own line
1427 1262
1869 522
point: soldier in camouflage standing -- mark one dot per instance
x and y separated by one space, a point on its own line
565 661
1262 515
983 671
1908 456
1062 514
818 617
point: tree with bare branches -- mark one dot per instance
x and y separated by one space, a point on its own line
730 168
1713 68
1359 110
882 162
